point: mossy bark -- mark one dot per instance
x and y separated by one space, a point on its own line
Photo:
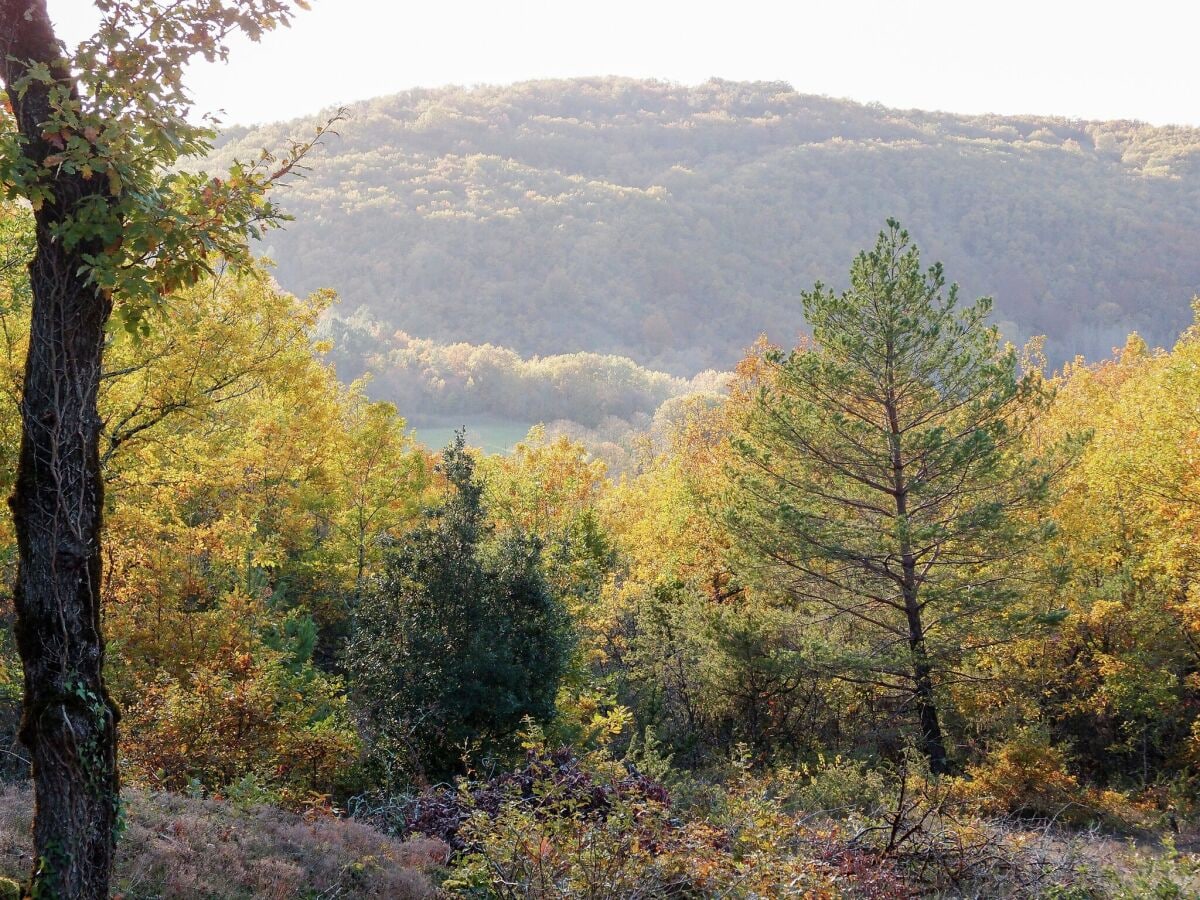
69 721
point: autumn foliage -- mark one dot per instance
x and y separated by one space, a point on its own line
309 611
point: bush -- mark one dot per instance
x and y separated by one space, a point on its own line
839 786
550 784
457 642
1027 776
566 825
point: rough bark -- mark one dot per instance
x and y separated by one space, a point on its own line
933 743
69 721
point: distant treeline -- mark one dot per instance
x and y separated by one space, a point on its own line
671 224
432 381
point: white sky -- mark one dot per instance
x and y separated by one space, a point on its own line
1096 59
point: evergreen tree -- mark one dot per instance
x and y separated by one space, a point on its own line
457 641
877 481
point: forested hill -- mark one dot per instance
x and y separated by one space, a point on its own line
673 224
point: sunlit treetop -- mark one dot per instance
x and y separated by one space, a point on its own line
109 121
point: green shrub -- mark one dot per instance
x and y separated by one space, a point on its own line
458 641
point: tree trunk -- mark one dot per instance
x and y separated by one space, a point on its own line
69 721
933 744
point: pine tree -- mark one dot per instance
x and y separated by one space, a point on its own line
877 481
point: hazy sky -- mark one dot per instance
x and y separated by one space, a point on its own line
1080 58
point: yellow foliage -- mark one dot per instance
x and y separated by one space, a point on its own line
241 481
1024 775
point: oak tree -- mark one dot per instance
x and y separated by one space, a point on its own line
90 140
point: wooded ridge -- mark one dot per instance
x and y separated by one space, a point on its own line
672 224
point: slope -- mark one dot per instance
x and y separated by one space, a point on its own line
673 224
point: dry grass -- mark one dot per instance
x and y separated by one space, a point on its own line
178 847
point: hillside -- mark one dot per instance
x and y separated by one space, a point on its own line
673 224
